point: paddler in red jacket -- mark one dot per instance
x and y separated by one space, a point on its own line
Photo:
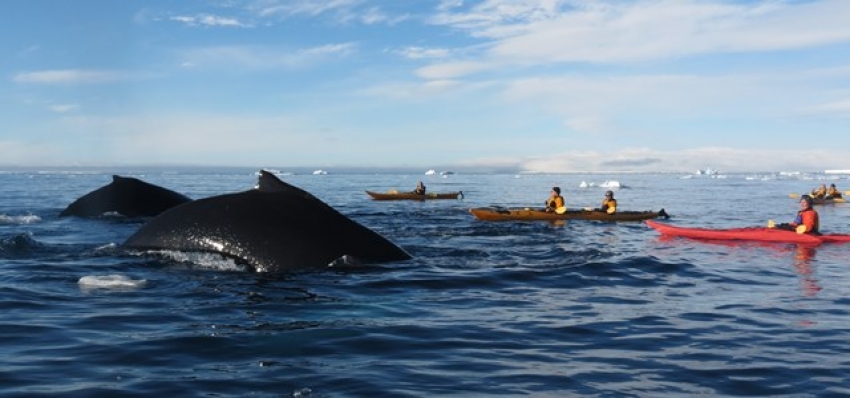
807 220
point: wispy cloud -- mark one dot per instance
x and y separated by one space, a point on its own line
375 16
415 52
289 8
546 32
830 108
73 76
209 21
450 70
264 56
63 108
341 11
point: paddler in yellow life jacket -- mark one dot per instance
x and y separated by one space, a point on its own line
420 189
833 192
555 200
807 220
609 204
819 192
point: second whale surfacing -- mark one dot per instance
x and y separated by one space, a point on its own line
273 227
127 196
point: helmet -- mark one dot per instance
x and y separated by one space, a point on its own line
557 190
609 193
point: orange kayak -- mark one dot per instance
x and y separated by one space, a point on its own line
505 214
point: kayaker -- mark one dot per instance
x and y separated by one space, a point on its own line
833 192
555 200
819 192
420 189
609 204
807 220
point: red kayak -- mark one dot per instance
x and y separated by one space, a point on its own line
761 234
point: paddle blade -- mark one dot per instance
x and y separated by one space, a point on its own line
771 224
561 210
611 210
794 195
801 229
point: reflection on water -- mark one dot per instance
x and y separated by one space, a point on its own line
803 256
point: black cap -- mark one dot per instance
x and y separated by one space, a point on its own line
557 189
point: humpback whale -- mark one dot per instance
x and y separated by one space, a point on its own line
127 196
273 227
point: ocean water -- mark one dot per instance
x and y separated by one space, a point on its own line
579 308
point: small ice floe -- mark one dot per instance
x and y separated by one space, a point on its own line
90 282
320 172
430 172
610 184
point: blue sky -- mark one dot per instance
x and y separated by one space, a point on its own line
545 85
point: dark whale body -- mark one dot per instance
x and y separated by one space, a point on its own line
127 196
273 227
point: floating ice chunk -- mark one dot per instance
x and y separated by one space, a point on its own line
110 282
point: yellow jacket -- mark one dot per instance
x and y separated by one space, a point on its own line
554 203
609 204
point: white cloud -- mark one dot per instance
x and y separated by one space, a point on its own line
375 15
841 108
63 108
209 20
73 76
265 57
298 7
451 70
423 91
543 32
415 52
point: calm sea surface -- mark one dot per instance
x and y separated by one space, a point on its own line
483 309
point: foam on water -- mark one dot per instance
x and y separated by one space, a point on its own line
110 282
19 220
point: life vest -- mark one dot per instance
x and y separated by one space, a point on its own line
834 193
554 203
810 219
609 203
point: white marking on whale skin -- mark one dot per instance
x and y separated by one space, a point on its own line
214 244
345 260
